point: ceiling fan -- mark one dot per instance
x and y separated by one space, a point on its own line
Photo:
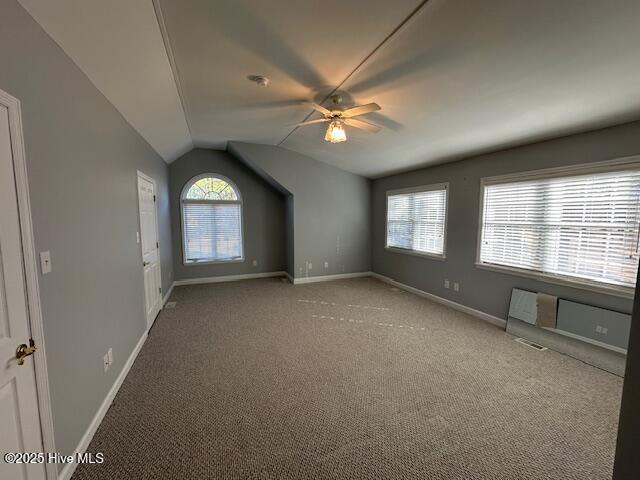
339 117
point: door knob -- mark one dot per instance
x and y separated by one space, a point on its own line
23 351
144 264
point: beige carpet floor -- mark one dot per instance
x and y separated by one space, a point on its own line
351 379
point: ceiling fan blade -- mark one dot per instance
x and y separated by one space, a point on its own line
360 110
361 124
311 122
321 109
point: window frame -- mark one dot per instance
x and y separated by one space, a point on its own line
607 166
418 189
187 186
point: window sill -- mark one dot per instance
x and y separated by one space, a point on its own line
614 290
212 262
430 256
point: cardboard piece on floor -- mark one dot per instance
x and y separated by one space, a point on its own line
547 310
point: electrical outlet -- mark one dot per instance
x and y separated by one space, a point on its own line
598 329
604 330
255 263
326 264
310 266
446 284
456 286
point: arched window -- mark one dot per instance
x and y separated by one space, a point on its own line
211 220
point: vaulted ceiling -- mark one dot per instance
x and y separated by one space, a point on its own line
453 77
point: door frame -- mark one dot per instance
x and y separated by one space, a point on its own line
148 178
32 289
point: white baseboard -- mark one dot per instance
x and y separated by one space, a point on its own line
168 294
499 322
227 278
249 276
328 278
67 471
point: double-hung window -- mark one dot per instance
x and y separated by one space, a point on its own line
578 224
417 220
211 209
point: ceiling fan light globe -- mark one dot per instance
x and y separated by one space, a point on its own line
335 133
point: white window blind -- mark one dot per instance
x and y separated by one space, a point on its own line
583 226
211 221
416 220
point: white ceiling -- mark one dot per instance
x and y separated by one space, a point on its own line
118 45
305 48
471 76
460 78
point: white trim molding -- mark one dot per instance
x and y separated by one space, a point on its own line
416 253
614 165
573 282
165 299
227 278
498 322
249 276
31 276
67 471
328 278
418 189
144 176
174 68
185 201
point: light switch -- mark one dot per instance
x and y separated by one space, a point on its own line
45 262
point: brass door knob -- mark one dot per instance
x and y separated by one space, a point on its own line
23 351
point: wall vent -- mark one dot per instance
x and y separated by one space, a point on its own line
529 343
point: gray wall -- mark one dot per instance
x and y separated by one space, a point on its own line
331 209
82 158
482 289
263 211
290 247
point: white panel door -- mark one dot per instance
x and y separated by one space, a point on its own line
150 247
19 416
